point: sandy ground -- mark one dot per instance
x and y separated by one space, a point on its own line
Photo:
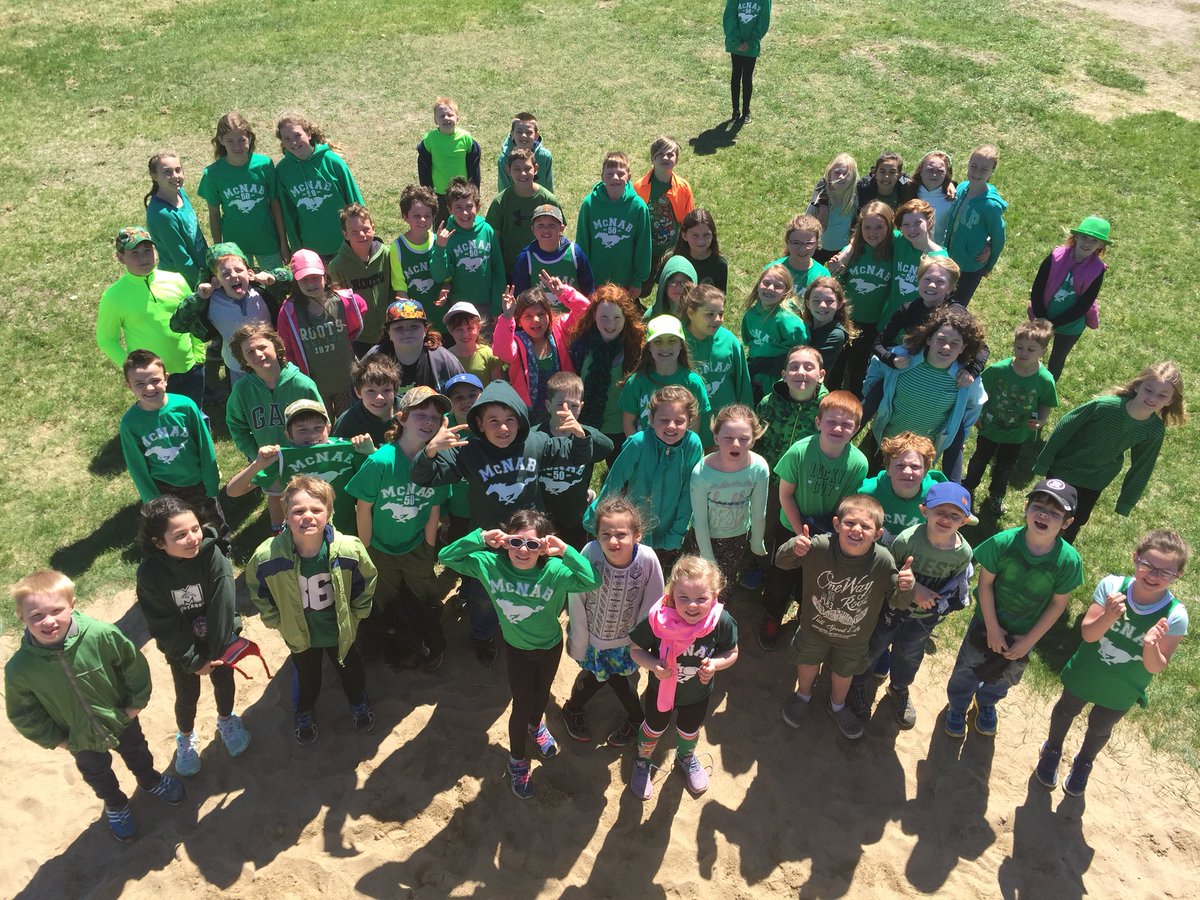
419 807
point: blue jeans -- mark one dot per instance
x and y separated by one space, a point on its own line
964 685
953 454
907 637
190 384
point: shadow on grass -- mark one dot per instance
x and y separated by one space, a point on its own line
109 460
718 137
119 531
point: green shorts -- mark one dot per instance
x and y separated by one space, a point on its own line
810 649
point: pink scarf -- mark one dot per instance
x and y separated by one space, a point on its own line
676 635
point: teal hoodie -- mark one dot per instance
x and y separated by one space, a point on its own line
312 193
673 266
541 156
254 412
615 237
972 223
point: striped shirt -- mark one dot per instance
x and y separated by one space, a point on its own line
923 400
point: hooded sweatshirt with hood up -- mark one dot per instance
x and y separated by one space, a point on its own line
674 265
312 193
615 236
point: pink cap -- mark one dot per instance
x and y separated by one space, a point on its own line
306 262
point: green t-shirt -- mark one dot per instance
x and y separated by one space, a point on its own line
689 688
244 195
820 482
933 567
1025 583
899 513
1064 298
327 347
316 596
334 462
905 260
868 283
1012 400
447 156
800 279
400 508
922 402
635 395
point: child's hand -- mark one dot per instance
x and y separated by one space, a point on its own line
204 290
553 545
964 378
447 438
550 283
706 671
567 422
1033 423
63 745
901 362
443 296
803 542
951 190
661 672
985 254
266 456
1114 606
363 444
1020 647
1154 634
904 578
924 597
509 301
132 713
836 265
207 668
443 237
743 47
494 538
997 642
264 279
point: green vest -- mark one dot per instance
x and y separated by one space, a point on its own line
416 265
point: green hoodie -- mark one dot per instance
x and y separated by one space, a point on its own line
312 193
254 412
371 280
673 266
77 692
787 421
720 361
472 263
769 335
745 22
615 237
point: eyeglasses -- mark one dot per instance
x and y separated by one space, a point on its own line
1154 571
516 543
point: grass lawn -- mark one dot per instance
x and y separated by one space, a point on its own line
91 93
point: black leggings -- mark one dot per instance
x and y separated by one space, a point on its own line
1058 352
1101 722
530 675
587 686
743 75
1086 503
187 693
351 673
688 718
1005 457
96 766
850 370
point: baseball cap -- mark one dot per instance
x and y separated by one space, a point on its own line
304 405
1065 495
461 378
663 326
950 492
128 238
306 262
548 209
403 310
415 397
461 308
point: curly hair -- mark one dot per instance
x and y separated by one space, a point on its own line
958 318
633 335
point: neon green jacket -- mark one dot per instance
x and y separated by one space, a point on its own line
139 309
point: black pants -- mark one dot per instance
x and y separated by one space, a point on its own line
688 719
1101 722
588 686
1005 457
187 692
1087 502
667 559
742 75
850 370
1058 352
96 766
307 666
618 441
208 509
530 675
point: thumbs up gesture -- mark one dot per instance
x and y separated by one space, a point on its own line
803 542
905 578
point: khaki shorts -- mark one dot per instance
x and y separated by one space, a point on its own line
810 649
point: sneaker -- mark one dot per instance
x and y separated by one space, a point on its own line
994 506
1047 767
745 119
234 734
1076 782
169 790
577 725
546 744
883 666
364 717
433 662
795 709
956 723
987 720
857 701
848 723
768 633
485 651
906 713
753 578
121 824
187 753
518 773
697 778
639 781
306 729
624 734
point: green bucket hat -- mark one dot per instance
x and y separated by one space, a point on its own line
225 248
1094 227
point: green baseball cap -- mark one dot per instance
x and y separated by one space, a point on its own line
663 326
128 238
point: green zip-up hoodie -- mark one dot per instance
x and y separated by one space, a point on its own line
77 692
615 237
312 193
254 413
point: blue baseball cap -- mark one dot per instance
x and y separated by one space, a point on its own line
461 378
953 493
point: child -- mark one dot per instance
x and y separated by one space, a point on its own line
902 483
464 324
975 223
166 442
652 469
467 255
314 184
78 684
865 270
185 590
686 638
827 317
445 153
936 279
314 585
814 475
462 391
631 581
800 239
135 314
665 361
361 264
513 209
525 135
846 581
729 495
531 338
667 196
241 191
605 346
614 228
745 24
933 182
410 256
771 327
716 354
1131 630
914 219
1021 393
1026 576
552 253
886 182
1067 285
172 220
398 521
565 483
416 348
697 243
676 276
376 381
318 326
835 204
528 583
1089 443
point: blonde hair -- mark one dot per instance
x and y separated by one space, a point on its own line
43 581
945 263
694 568
1175 412
989 152
847 202
780 272
734 412
863 503
309 484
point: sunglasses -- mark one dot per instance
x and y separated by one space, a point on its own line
516 543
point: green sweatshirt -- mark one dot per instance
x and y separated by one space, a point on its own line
720 361
527 601
615 237
177 237
371 280
868 284
800 279
745 22
905 260
472 263
399 508
139 309
511 218
243 194
254 412
312 193
769 334
172 445
899 513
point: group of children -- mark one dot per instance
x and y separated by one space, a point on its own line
390 436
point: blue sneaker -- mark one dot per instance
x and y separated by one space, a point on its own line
1047 767
187 753
956 723
233 734
518 773
169 790
306 729
121 824
546 744
1077 780
364 717
986 720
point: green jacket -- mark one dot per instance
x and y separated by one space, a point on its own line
138 309
77 692
271 576
787 422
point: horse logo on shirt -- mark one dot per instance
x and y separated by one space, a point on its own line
471 263
312 204
1112 655
864 287
190 597
556 487
515 613
506 493
327 477
164 454
243 206
400 512
421 285
610 239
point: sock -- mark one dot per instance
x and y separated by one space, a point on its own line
836 707
647 741
516 763
804 697
687 742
